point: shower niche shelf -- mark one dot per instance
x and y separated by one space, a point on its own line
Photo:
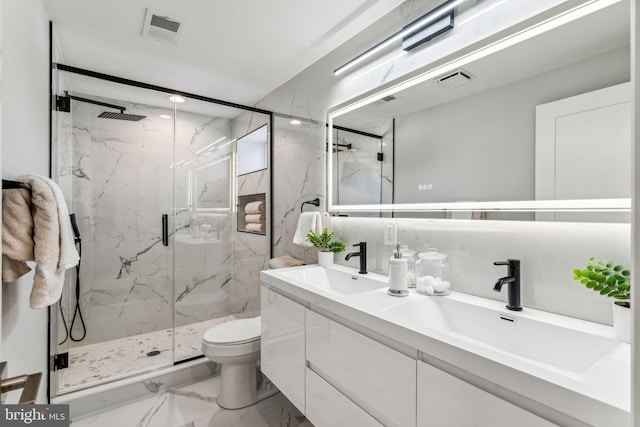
252 214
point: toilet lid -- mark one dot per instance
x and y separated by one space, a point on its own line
234 332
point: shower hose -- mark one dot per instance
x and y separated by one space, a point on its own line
77 313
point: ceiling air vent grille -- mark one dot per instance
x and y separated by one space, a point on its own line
161 27
455 79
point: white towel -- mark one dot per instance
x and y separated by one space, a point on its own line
53 242
257 218
254 207
17 234
255 227
285 261
307 221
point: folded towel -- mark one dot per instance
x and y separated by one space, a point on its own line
285 261
307 221
255 227
258 218
52 243
17 234
254 207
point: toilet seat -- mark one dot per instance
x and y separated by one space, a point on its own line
234 332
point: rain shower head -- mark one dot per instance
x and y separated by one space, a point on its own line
109 114
121 116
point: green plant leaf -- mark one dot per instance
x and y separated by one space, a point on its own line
605 277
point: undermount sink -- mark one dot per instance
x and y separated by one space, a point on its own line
337 280
556 341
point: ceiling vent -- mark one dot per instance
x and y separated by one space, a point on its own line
161 27
455 79
389 98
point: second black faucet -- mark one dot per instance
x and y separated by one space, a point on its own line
362 253
513 281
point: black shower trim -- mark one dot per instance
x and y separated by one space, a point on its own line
143 85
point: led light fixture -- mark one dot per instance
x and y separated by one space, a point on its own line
414 34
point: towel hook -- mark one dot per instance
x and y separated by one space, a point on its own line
10 185
314 202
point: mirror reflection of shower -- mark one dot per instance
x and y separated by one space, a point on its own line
363 160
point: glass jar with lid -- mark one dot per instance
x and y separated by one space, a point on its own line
433 273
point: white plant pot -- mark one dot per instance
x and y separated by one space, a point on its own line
621 322
325 259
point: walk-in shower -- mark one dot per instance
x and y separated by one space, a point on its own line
154 193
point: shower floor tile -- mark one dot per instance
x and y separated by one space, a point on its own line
195 405
113 360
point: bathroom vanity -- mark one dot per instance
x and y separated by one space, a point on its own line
346 353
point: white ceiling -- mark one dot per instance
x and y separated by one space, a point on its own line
234 50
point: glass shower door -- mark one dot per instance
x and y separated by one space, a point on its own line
116 174
204 205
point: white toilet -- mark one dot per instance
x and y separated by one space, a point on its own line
236 346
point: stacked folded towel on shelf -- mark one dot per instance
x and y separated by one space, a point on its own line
255 216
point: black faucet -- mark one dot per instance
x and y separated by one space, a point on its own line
513 280
363 256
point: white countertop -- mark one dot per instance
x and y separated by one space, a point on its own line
599 396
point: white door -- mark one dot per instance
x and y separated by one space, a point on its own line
583 150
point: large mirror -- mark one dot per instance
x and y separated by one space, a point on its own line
535 124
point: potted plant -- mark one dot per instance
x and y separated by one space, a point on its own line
325 246
611 280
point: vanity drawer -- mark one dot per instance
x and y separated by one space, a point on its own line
447 401
282 345
327 407
377 378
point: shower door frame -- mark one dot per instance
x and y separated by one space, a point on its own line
55 66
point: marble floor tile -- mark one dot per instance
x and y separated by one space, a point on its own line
116 359
195 405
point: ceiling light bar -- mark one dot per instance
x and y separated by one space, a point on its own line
410 29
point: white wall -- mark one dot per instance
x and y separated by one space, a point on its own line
635 189
25 149
490 134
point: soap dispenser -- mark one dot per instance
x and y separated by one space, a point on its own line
398 274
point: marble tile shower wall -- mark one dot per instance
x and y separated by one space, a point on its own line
251 252
118 179
549 250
